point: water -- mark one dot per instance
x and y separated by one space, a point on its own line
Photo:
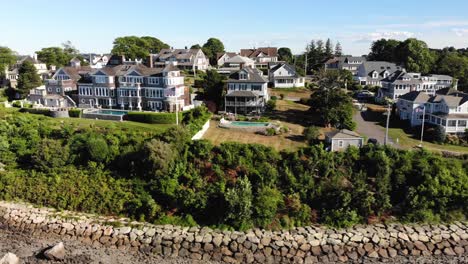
111 112
249 124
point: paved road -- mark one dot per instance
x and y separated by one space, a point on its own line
370 129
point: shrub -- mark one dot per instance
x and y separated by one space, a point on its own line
311 134
273 97
270 131
74 112
36 111
271 105
282 96
16 104
304 101
153 118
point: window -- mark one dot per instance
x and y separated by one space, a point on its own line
243 86
452 123
462 123
242 76
256 87
100 79
57 90
340 143
153 80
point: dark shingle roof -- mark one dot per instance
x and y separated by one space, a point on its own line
415 96
252 53
343 133
253 76
241 94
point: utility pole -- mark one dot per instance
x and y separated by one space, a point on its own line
305 64
422 125
386 127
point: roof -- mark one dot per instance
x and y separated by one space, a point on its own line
229 54
288 67
75 72
343 134
399 76
451 116
456 99
253 53
253 76
141 69
241 94
415 96
441 77
239 59
379 66
445 91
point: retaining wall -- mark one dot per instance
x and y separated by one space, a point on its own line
310 244
202 131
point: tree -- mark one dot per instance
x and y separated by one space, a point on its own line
69 48
196 46
28 79
213 85
415 56
154 45
285 54
455 65
132 47
239 200
328 49
55 56
97 148
211 48
338 49
384 50
7 58
311 134
266 205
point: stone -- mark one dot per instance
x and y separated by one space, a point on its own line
316 250
403 236
356 238
196 256
125 230
217 240
259 257
459 250
449 251
265 241
315 243
423 238
383 253
373 254
368 247
375 238
392 252
208 247
56 252
10 258
420 246
352 255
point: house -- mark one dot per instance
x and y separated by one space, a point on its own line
222 57
283 75
134 87
236 63
12 72
349 63
448 110
401 82
59 91
184 59
341 139
247 91
96 61
372 72
261 56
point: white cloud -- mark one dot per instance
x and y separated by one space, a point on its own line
372 36
460 31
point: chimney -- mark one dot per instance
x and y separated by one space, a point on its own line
150 61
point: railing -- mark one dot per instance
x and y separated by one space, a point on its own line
230 103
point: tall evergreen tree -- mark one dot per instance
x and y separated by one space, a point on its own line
338 49
28 79
328 49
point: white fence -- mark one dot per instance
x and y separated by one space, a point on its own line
202 131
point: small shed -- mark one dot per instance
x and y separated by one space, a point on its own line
342 139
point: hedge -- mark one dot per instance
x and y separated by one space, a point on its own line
153 118
36 111
74 113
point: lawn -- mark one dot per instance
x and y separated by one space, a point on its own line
290 92
290 141
83 123
407 142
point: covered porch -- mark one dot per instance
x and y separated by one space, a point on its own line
243 102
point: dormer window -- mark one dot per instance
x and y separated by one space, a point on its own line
375 75
243 76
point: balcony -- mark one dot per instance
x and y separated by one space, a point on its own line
240 103
59 82
173 92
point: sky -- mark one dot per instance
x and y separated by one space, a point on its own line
91 26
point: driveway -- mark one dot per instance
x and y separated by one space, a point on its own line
370 128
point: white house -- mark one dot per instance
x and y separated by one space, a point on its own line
247 91
184 59
349 63
222 57
261 56
283 75
372 72
449 111
342 139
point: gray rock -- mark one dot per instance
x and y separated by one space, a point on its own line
10 258
56 252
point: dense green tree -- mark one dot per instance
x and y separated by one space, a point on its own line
28 79
51 154
455 65
285 54
134 47
196 46
7 58
311 134
384 50
266 204
211 48
328 53
97 148
54 56
213 86
415 56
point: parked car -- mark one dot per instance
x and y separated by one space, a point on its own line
373 141
364 94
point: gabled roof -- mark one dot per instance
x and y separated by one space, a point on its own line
75 73
379 66
280 65
399 76
416 97
239 59
343 134
455 100
229 54
253 76
252 53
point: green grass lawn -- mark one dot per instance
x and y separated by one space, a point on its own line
105 124
407 142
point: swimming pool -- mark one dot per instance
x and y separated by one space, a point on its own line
249 124
111 112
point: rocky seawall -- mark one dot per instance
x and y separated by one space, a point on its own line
310 244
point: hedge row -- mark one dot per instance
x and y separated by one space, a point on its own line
36 111
153 118
74 113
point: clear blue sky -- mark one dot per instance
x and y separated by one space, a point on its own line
92 25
